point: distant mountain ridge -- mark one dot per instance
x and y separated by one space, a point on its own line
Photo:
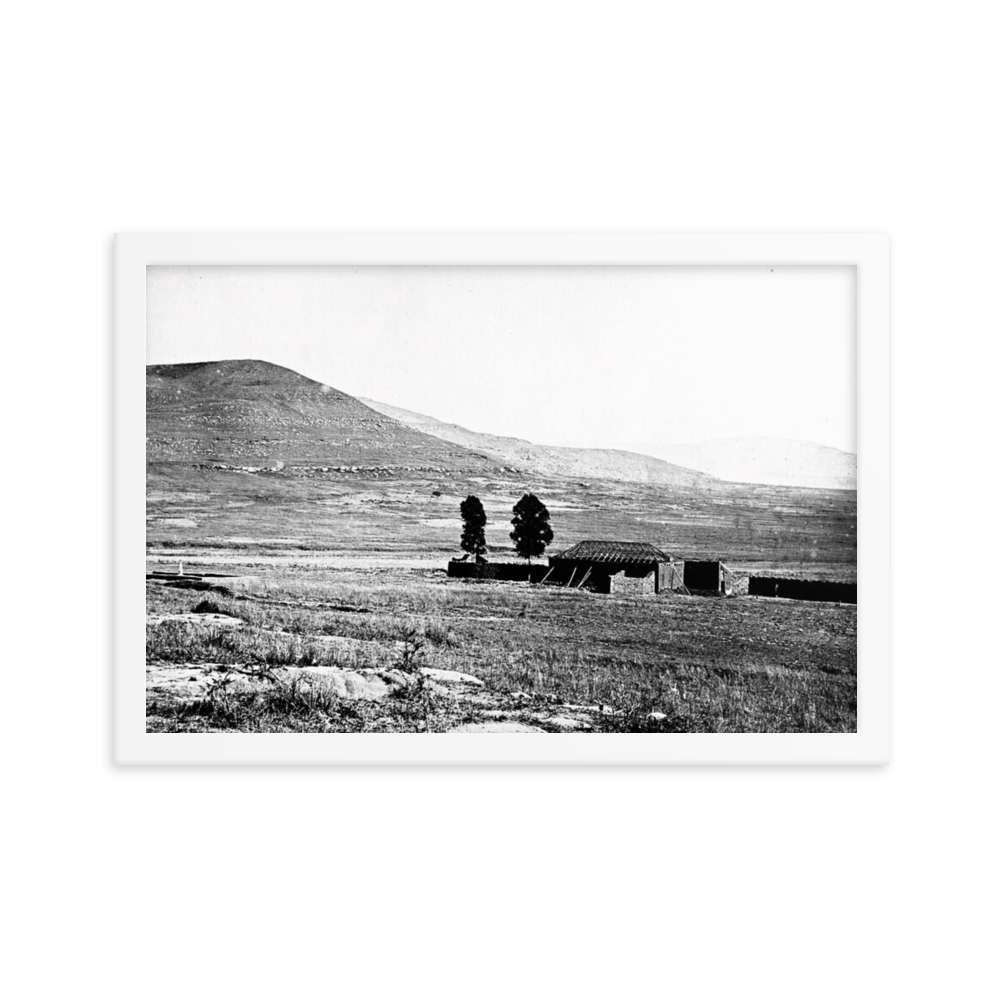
769 461
551 460
762 461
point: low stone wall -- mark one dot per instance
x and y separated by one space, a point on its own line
524 572
803 590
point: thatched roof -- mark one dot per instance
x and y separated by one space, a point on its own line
619 553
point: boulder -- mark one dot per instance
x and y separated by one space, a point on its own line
565 723
449 676
495 727
354 685
190 618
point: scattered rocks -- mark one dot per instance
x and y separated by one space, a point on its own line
355 685
449 676
191 680
187 681
495 727
397 679
565 723
190 618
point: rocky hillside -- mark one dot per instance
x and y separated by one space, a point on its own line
253 414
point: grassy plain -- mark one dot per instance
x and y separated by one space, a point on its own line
348 571
299 512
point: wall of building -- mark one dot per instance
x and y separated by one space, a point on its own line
702 575
665 576
670 576
599 578
623 583
569 572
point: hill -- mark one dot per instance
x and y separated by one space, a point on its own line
260 415
761 461
550 460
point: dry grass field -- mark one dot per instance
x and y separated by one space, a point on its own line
341 574
301 511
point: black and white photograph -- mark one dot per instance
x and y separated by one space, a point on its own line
501 499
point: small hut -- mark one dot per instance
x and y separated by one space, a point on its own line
617 567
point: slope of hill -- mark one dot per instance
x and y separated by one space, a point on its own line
260 415
579 463
257 414
769 461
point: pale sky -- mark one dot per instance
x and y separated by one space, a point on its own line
614 357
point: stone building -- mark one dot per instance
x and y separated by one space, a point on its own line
617 567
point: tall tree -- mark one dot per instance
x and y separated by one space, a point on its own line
473 527
531 527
